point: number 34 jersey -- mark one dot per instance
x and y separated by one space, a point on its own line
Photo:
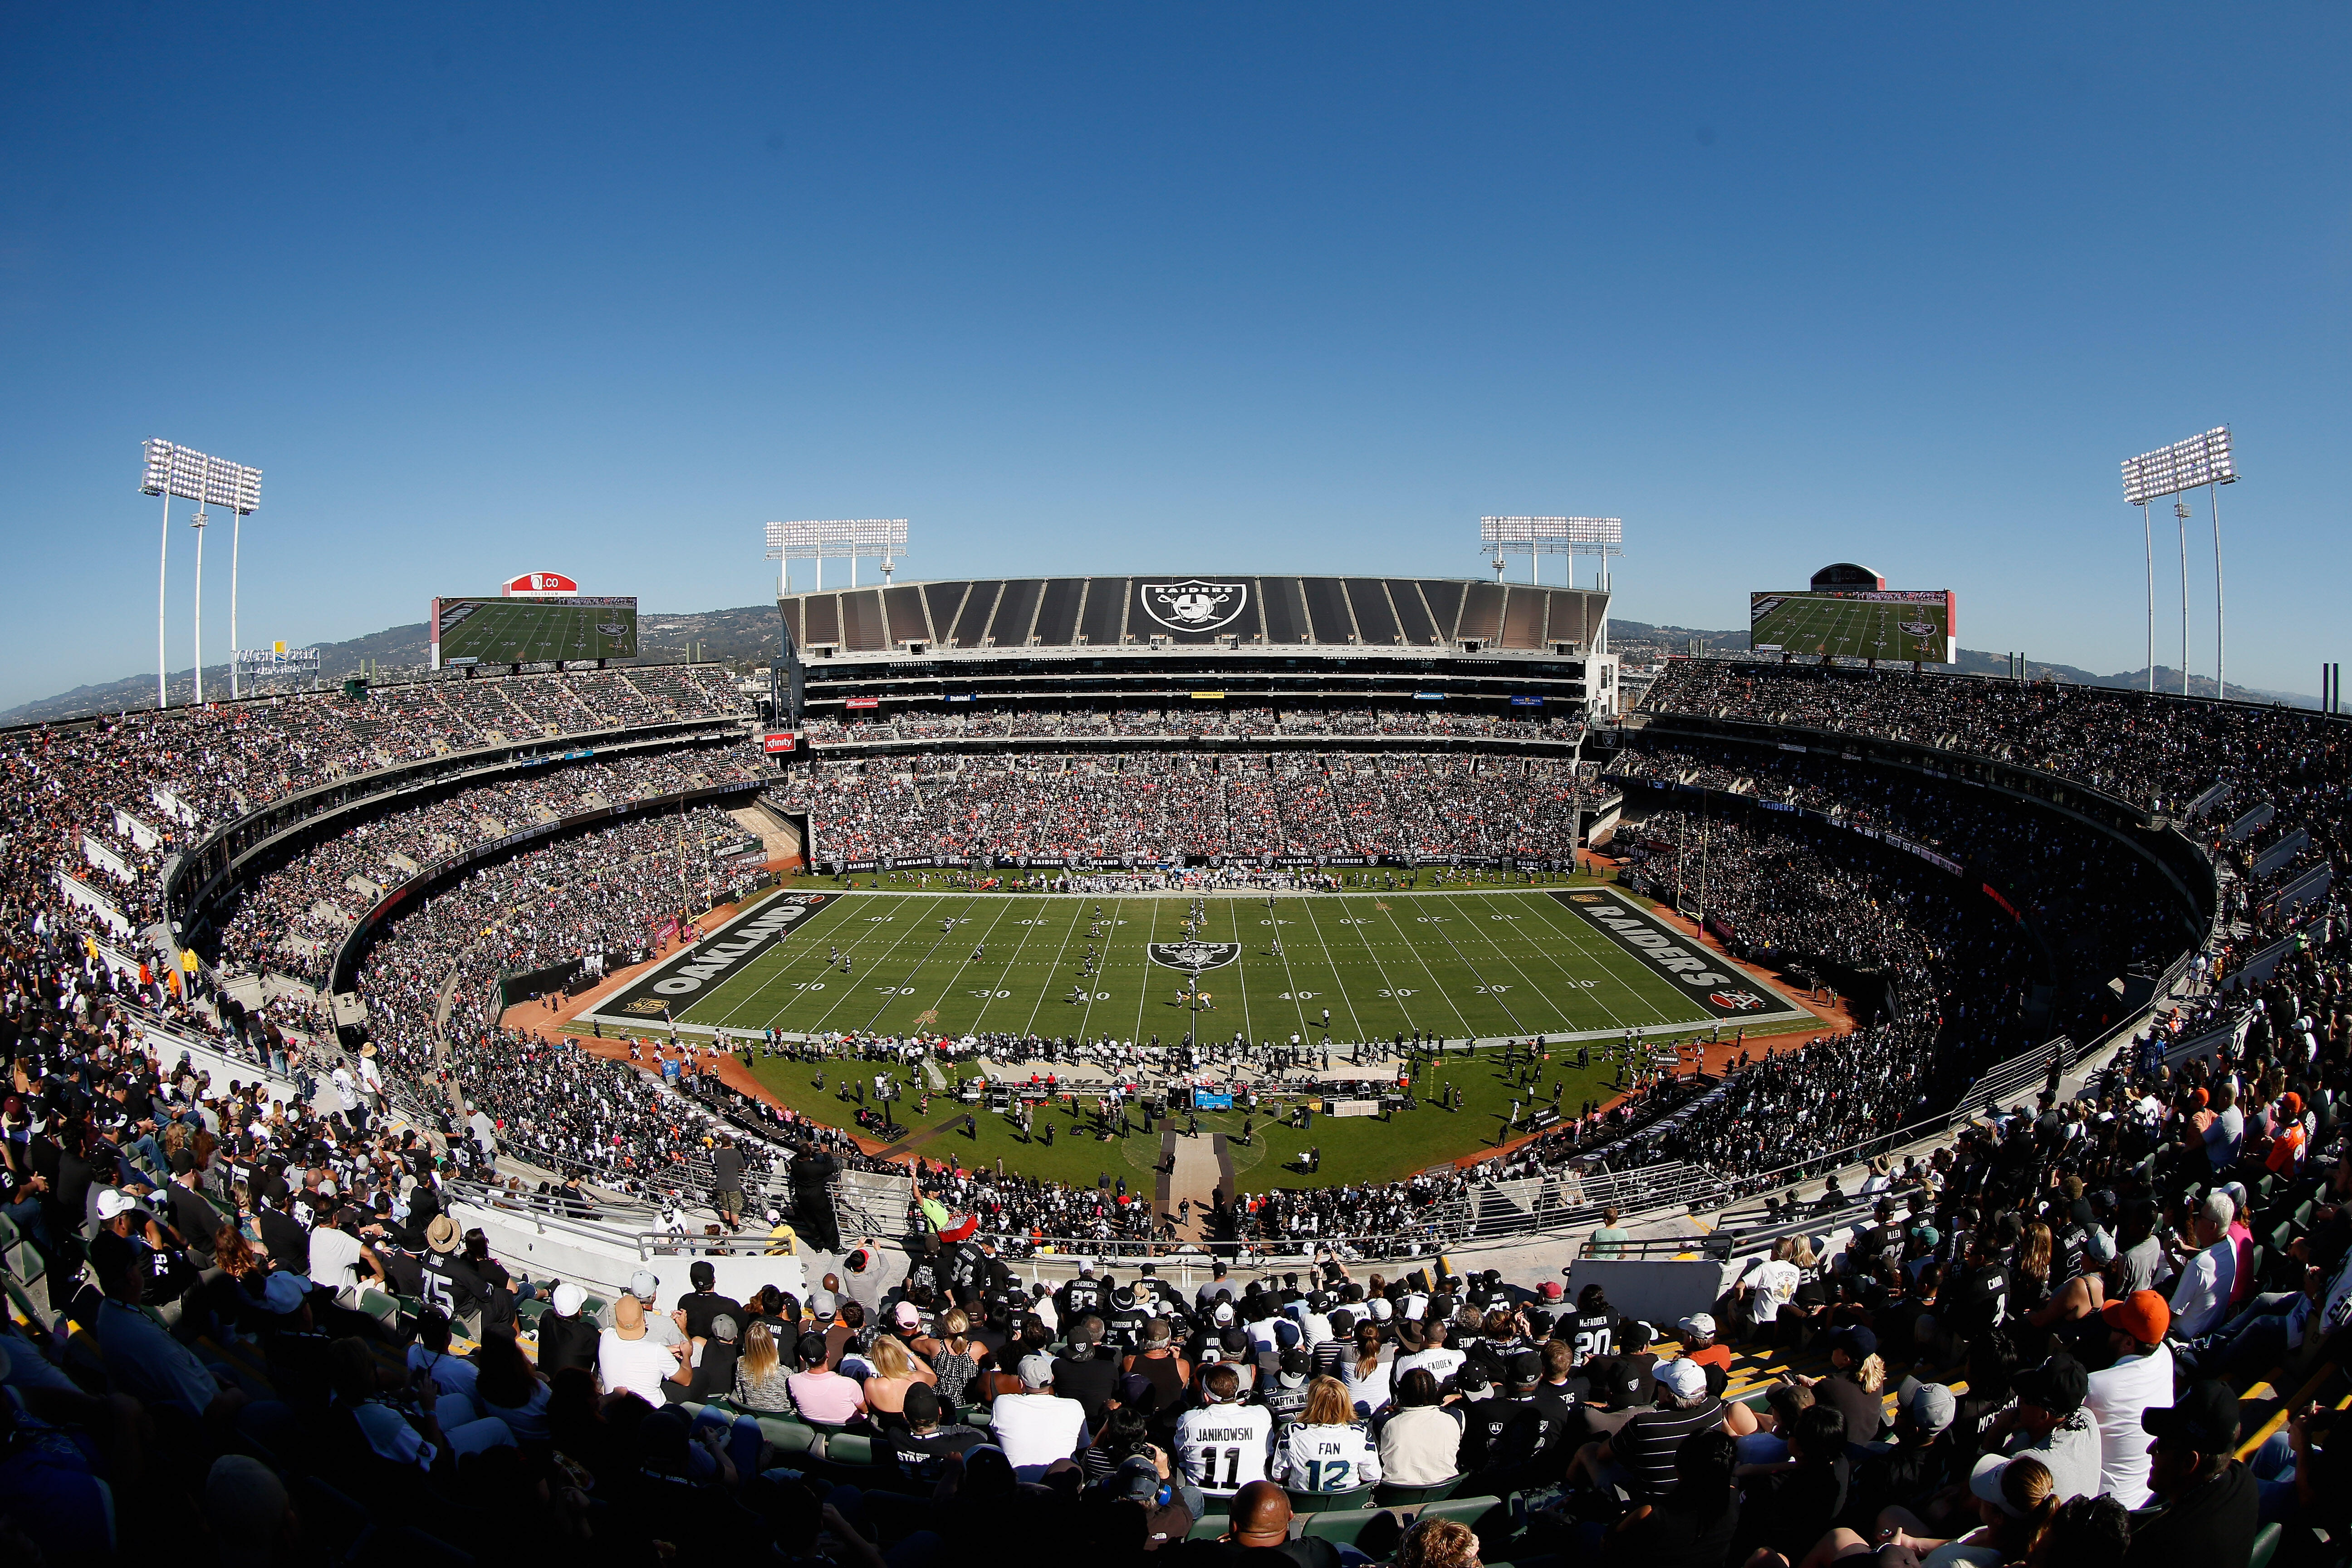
1223 1448
1325 1460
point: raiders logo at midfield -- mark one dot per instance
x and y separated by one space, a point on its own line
1193 604
1192 957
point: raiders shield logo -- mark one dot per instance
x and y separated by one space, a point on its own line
1193 605
1192 957
1735 1001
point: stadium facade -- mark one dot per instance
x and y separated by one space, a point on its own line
1286 641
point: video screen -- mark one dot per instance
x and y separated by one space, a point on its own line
1854 624
532 631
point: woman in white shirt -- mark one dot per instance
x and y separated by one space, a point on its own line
1327 1450
1366 1372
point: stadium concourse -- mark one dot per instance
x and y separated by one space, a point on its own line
2074 1304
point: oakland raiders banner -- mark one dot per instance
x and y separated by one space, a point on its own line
669 988
1705 976
1191 609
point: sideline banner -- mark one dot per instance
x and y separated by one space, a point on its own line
1708 980
676 983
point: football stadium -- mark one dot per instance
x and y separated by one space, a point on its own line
1171 949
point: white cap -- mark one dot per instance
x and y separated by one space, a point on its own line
113 1202
569 1299
643 1285
1682 1377
1085 1266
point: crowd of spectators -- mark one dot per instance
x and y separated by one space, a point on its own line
1161 806
1191 719
288 918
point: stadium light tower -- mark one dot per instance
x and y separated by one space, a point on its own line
873 537
2207 460
1537 537
169 470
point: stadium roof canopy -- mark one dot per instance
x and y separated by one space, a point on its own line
1242 610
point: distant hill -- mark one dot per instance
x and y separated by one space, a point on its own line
1641 637
746 637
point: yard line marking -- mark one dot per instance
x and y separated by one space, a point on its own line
1339 983
1414 948
887 954
1031 1026
982 940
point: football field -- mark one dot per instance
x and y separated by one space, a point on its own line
1493 966
1852 629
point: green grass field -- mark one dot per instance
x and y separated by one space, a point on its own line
1850 629
529 631
1491 965
1509 963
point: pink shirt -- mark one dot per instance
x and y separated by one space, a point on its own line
824 1396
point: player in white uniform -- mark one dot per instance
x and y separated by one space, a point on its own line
1327 1451
1222 1446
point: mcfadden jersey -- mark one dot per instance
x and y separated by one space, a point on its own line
1223 1448
1325 1460
1592 1335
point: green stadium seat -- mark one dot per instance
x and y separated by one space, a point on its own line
1208 1527
8 1232
1342 1528
791 1439
1331 1502
2266 1545
848 1448
1468 1511
1389 1495
380 1307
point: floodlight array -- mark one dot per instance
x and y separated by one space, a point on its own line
832 539
2201 460
1549 532
174 469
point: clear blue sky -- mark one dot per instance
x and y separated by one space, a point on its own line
1209 288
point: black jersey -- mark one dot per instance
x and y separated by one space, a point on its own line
1593 1334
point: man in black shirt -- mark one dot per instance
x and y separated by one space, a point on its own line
1085 1371
193 1216
566 1338
918 1450
1080 1296
727 1182
2209 1506
287 1242
703 1302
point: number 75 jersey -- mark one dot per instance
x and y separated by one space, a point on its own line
1223 1448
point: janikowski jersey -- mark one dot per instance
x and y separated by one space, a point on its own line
1223 1448
1325 1460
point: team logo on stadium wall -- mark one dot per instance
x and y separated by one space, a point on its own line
1193 605
1192 957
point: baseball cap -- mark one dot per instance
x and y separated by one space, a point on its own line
2101 1248
1381 1310
1525 1368
284 1294
773 1216
570 1299
722 1327
1621 1383
1137 1480
1285 1334
1985 1482
1698 1324
1552 1290
1037 1372
643 1284
1932 1407
2204 1418
2058 1386
1224 1314
1682 1377
905 1315
923 1409
1857 1342
1294 1369
1085 1266
821 1304
112 1202
2144 1315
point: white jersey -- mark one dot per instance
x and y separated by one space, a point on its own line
1325 1460
1223 1448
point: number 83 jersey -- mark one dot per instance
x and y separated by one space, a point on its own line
1326 1458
